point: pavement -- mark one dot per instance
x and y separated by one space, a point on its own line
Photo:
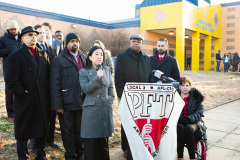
223 131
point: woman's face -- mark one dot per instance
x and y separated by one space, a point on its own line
97 57
185 88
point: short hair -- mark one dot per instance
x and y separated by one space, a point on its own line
38 26
48 24
183 80
163 40
100 43
58 31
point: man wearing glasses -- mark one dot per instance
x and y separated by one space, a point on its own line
28 79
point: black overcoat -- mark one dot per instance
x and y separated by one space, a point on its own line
28 78
129 69
168 66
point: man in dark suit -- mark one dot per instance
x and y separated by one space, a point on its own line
66 95
164 62
132 65
28 79
51 51
49 38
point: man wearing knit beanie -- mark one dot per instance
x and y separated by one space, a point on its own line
66 95
9 43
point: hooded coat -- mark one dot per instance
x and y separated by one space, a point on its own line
195 107
8 44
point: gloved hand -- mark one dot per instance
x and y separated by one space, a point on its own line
184 120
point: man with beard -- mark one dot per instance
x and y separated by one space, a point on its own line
163 62
131 66
9 43
66 95
28 79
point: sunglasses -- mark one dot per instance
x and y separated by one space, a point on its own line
32 34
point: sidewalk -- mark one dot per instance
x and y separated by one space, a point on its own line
223 134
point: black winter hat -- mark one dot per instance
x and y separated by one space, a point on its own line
71 36
27 30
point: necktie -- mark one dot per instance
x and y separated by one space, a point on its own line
43 47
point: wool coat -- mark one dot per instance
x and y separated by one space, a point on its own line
8 44
97 116
28 79
168 66
130 69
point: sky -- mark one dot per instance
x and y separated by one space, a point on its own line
98 10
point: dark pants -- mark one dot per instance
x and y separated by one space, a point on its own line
225 67
50 137
125 145
235 68
22 148
9 101
96 149
70 124
185 134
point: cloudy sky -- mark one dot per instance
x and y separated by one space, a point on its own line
98 10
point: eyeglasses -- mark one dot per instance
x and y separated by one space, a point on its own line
32 34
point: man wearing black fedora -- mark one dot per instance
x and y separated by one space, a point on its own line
28 79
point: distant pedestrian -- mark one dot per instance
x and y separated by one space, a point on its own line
218 58
235 60
226 60
189 60
9 43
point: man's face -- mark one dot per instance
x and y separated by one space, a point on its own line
73 45
48 32
42 35
59 36
30 39
13 31
136 45
162 47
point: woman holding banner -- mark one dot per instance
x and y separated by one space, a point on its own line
191 114
97 118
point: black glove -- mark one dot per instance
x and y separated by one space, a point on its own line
184 120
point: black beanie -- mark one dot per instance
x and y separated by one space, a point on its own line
71 36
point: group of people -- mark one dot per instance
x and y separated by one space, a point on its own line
47 77
228 61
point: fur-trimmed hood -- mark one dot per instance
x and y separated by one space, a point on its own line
197 95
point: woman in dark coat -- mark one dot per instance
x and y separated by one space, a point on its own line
191 114
97 118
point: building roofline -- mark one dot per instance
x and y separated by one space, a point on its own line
61 17
230 4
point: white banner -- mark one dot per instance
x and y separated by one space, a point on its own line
149 114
